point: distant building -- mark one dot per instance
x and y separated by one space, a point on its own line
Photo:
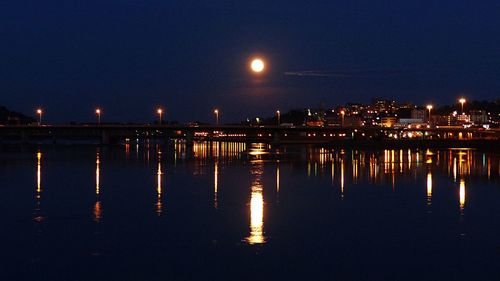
404 112
314 123
418 113
332 118
13 120
353 121
388 121
478 117
355 108
384 106
443 120
407 121
462 118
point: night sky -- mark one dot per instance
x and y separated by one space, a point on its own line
192 56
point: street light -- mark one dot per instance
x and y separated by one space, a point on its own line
278 115
39 112
216 112
342 113
160 112
98 113
429 107
462 101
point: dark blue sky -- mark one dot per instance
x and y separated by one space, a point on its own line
191 56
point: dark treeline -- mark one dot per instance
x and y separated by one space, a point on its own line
8 117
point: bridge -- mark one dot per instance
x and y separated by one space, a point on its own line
113 134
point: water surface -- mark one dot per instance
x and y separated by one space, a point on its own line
232 211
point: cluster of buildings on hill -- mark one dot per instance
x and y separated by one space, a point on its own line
390 113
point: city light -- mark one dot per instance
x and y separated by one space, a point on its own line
429 107
216 112
98 113
160 112
480 123
462 101
39 112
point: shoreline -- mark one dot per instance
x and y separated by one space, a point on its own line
491 145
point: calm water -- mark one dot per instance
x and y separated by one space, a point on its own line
231 212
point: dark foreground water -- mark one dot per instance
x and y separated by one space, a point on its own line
231 212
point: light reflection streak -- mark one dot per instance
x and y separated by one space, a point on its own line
429 187
373 164
278 177
203 150
469 162
460 163
37 214
216 184
400 161
176 152
256 205
258 149
355 169
342 177
489 168
97 173
409 160
322 156
159 175
386 161
38 174
127 150
333 172
393 164
462 194
97 211
454 169
392 171
147 151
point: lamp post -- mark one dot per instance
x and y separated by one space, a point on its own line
462 101
429 107
216 112
342 113
278 116
39 112
98 113
160 112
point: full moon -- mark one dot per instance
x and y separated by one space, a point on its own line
257 65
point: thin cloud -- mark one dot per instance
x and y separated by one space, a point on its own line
316 73
342 74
